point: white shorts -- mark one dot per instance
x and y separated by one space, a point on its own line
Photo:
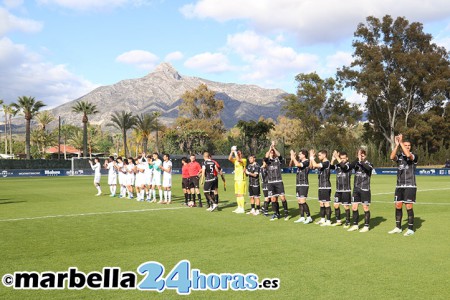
97 178
156 180
140 179
130 179
122 179
112 179
148 178
167 181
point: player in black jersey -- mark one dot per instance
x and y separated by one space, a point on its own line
209 171
324 185
406 189
343 194
254 187
302 184
263 172
361 189
275 182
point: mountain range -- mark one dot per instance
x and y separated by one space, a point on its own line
161 91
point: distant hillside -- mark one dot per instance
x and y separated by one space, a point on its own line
161 90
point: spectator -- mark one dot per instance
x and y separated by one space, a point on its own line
447 164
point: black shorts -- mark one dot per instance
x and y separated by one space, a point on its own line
324 195
406 194
302 191
360 196
344 198
254 191
208 186
216 184
185 183
266 193
275 189
194 182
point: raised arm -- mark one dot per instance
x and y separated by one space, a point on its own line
312 159
277 153
335 157
231 158
393 155
404 149
294 159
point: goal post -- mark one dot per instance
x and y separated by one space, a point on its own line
80 166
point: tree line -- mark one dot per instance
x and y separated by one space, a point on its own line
403 76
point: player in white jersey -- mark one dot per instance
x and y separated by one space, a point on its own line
148 177
156 180
121 168
140 178
110 165
97 175
167 179
131 174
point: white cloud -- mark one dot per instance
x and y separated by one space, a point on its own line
177 55
209 62
353 97
267 59
93 4
10 22
12 3
335 61
314 21
25 73
139 58
443 38
443 42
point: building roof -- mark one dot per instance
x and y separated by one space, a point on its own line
69 149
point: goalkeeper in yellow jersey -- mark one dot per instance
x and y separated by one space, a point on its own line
240 164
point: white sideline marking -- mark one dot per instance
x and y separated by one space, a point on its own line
92 214
173 208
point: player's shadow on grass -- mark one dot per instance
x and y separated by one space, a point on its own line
223 204
417 223
374 222
7 201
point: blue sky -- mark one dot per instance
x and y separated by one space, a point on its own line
59 50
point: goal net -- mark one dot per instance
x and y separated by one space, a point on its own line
80 166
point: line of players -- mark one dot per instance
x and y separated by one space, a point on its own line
144 174
137 177
273 187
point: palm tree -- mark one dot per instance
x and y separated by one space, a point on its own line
77 140
67 131
29 107
156 115
4 107
44 118
86 108
145 124
43 139
10 112
116 141
93 132
123 121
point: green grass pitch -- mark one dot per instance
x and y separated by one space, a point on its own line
51 224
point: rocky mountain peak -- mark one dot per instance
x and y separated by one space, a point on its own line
168 70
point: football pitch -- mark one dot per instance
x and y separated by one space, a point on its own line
52 224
